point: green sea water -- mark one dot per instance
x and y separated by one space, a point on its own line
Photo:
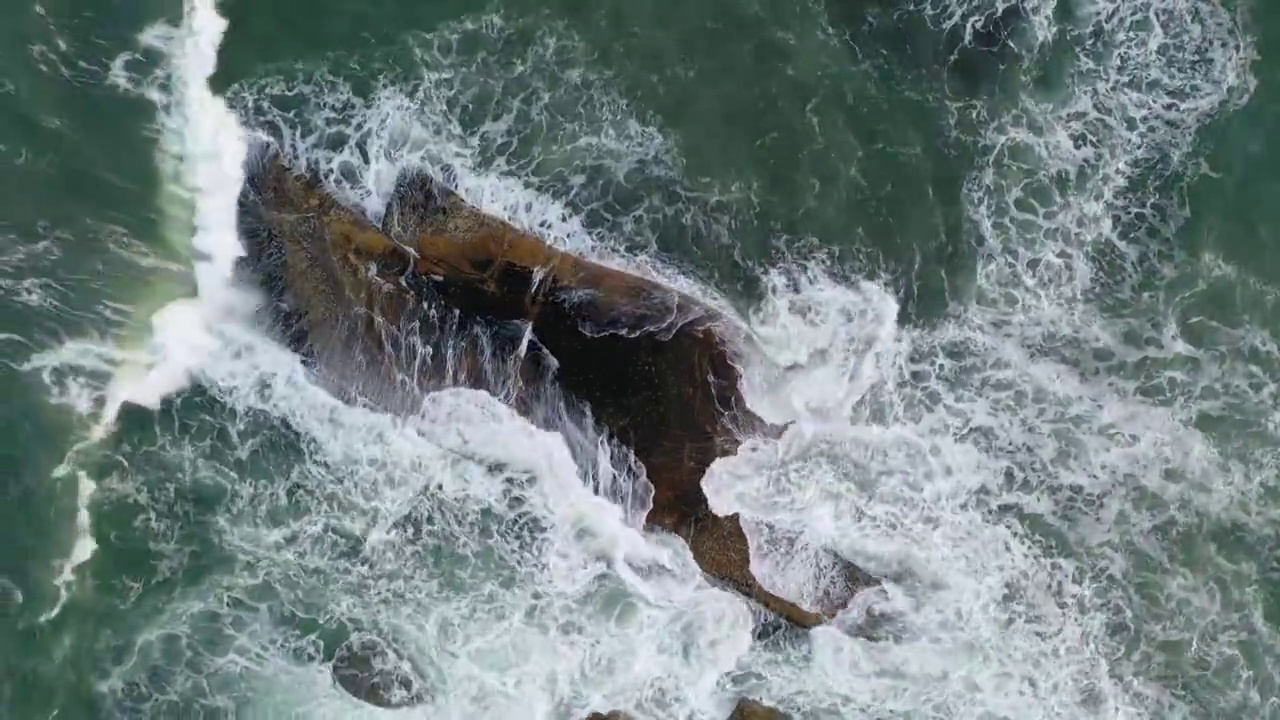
1008 266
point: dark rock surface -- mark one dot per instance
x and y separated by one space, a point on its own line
371 669
444 295
752 710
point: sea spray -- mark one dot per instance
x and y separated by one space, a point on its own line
200 155
199 158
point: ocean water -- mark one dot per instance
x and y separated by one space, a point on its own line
1006 264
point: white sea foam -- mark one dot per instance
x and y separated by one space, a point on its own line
935 456
82 546
200 154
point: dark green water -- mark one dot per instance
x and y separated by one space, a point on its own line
1026 291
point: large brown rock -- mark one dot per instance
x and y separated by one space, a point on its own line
344 295
650 362
645 358
446 295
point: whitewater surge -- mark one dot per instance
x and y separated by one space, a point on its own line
200 154
1021 471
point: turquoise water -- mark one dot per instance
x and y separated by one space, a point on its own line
1018 297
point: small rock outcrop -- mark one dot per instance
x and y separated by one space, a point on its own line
374 671
443 294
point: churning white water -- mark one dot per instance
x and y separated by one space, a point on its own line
200 154
923 454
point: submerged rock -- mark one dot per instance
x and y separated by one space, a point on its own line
372 670
446 295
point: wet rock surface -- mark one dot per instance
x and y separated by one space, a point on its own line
647 360
444 295
372 670
752 710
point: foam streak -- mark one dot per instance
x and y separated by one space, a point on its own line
209 144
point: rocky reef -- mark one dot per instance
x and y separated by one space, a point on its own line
445 295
